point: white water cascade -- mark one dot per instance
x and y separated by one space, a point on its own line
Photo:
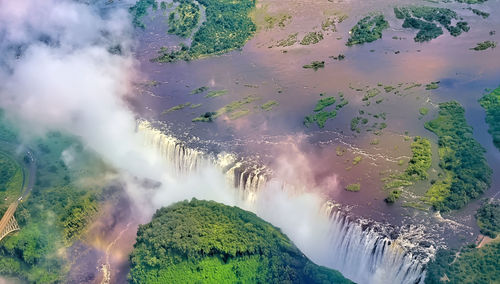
356 248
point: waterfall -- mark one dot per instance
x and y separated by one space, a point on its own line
361 250
365 255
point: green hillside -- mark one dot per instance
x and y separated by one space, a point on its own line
207 242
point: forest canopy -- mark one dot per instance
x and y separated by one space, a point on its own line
491 103
204 241
466 172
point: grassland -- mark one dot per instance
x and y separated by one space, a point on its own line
234 110
199 90
216 93
269 105
175 108
353 187
312 38
418 166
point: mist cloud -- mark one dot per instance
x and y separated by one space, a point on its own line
56 73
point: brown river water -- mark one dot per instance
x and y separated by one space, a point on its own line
274 73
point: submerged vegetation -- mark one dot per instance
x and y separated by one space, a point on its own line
354 187
367 29
491 103
466 172
289 41
228 26
269 105
216 93
417 169
315 65
205 241
484 45
432 85
480 13
234 109
177 107
424 19
312 38
199 90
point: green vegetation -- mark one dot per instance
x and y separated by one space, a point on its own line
320 118
423 111
140 9
424 18
417 169
488 218
199 90
370 94
323 103
11 179
467 174
183 19
289 41
469 265
471 1
357 160
228 26
177 107
54 215
339 57
312 38
329 25
205 241
279 20
234 109
484 45
491 103
432 85
315 65
389 89
355 124
321 115
480 13
367 29
354 187
267 106
213 94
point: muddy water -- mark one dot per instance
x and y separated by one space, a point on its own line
279 134
272 74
